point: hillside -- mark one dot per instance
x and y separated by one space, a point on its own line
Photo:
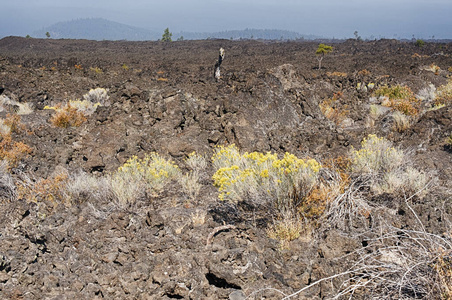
128 172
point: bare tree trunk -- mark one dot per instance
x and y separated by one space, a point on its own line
218 64
319 58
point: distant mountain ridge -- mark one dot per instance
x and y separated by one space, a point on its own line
96 29
101 29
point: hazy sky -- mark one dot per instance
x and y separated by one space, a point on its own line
329 18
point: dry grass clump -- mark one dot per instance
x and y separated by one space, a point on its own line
401 264
8 189
66 116
401 121
51 190
11 151
336 74
285 229
400 98
331 109
82 186
140 177
190 184
263 178
443 94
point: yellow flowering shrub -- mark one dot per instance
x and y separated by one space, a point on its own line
259 177
140 176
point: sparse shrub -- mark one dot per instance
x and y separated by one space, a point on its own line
432 68
97 96
388 167
12 151
364 72
199 217
365 87
449 141
86 107
444 94
190 184
196 162
66 116
4 129
263 178
376 156
13 122
400 98
375 111
14 106
139 177
427 94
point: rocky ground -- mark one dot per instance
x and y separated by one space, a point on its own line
163 98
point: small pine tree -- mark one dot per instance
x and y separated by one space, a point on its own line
47 34
166 37
321 51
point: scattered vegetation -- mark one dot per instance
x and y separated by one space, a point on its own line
400 98
74 113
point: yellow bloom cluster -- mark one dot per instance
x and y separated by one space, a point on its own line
258 174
